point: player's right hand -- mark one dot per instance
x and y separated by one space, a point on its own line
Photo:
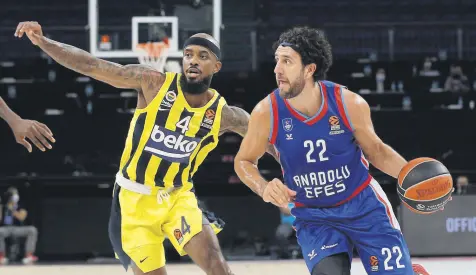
32 29
36 132
278 193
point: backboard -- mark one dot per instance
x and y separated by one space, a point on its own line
116 27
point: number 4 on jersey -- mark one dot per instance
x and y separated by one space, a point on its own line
183 124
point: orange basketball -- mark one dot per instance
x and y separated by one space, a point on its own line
424 185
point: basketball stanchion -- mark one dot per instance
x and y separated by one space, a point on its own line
153 54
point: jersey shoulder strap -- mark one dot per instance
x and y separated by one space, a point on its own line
336 100
274 111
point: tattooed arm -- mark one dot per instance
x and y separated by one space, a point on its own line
234 119
138 77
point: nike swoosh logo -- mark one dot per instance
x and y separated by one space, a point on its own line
144 259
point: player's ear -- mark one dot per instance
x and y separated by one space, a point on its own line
310 69
217 67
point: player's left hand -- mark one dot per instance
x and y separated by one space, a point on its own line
278 193
32 29
36 132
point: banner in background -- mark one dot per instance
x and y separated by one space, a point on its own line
448 232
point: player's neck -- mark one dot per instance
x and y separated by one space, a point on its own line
309 100
198 100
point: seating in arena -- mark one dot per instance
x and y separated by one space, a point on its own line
414 62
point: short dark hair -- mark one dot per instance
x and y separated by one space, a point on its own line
313 47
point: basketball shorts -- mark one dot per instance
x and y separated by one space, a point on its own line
139 224
366 222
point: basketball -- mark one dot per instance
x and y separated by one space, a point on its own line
424 185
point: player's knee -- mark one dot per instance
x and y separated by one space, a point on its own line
338 264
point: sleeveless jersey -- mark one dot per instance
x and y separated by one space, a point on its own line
319 156
168 139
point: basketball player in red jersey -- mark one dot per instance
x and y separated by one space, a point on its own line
173 123
322 131
35 131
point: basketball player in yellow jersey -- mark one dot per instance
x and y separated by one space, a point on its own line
176 124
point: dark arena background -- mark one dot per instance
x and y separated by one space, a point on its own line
413 61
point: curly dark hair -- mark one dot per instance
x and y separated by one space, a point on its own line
312 46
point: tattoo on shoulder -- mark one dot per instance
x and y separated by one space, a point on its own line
234 119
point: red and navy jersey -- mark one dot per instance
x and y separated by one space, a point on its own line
320 159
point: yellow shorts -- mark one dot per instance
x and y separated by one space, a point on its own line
141 222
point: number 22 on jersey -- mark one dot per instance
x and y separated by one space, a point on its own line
320 145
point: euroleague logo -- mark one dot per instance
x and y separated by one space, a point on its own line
334 121
210 114
374 263
208 119
170 145
334 124
178 236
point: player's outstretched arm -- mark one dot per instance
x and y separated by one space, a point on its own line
36 132
138 77
235 119
253 146
378 153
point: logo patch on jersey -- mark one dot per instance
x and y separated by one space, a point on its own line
171 96
287 124
168 100
210 114
334 120
312 254
165 104
334 124
289 136
170 145
178 236
374 263
208 119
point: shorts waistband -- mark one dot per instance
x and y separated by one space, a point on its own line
141 188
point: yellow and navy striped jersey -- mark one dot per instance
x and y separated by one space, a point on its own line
168 140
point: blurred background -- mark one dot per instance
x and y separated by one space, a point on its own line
413 61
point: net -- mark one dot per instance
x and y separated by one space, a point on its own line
153 54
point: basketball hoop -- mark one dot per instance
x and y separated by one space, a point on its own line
153 54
